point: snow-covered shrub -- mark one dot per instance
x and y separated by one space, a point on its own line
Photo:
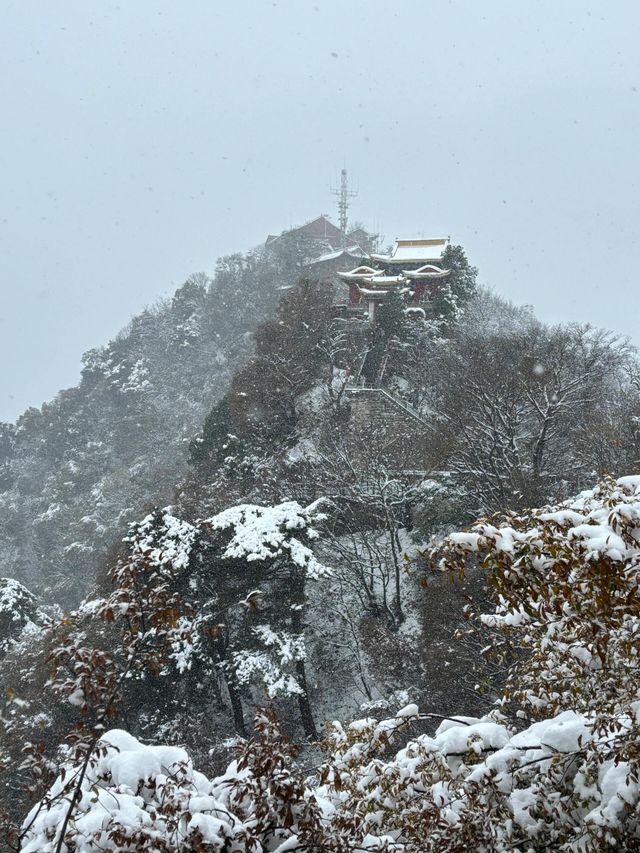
18 609
131 797
481 784
473 784
555 767
567 585
134 797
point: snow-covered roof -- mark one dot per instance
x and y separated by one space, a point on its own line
360 273
413 251
427 271
381 292
353 252
375 278
384 279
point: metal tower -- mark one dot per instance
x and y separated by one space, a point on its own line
343 194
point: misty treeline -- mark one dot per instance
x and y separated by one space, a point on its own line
243 542
77 471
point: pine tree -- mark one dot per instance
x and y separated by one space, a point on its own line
460 285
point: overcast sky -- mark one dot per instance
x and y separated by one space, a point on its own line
141 140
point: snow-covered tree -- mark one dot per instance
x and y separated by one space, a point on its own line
19 610
516 413
459 286
554 767
567 585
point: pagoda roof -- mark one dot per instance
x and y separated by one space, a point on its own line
427 271
321 228
354 252
384 279
361 272
414 251
381 292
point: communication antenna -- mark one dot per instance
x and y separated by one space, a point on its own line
343 195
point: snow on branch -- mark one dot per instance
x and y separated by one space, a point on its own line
267 532
475 783
561 774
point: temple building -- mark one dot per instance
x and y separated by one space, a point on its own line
328 236
413 253
328 265
412 269
321 229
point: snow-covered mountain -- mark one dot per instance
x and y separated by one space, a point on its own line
75 472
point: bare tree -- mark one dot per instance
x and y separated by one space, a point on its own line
515 410
371 496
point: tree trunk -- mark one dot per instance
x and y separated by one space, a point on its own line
222 644
397 599
298 596
236 707
304 705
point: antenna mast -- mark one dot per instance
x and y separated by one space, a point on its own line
343 195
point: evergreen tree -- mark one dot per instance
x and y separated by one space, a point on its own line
460 285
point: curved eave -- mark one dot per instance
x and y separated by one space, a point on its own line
387 261
416 274
385 280
352 275
380 294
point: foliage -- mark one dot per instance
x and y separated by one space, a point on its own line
459 288
567 584
564 778
137 798
260 407
184 606
76 472
18 609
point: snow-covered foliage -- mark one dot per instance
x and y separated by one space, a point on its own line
164 540
255 539
554 767
136 797
478 782
271 666
185 605
473 782
133 797
19 612
262 533
567 580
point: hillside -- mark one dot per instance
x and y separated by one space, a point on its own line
259 530
77 471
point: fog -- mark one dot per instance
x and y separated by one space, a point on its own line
142 140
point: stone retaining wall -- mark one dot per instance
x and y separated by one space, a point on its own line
378 420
